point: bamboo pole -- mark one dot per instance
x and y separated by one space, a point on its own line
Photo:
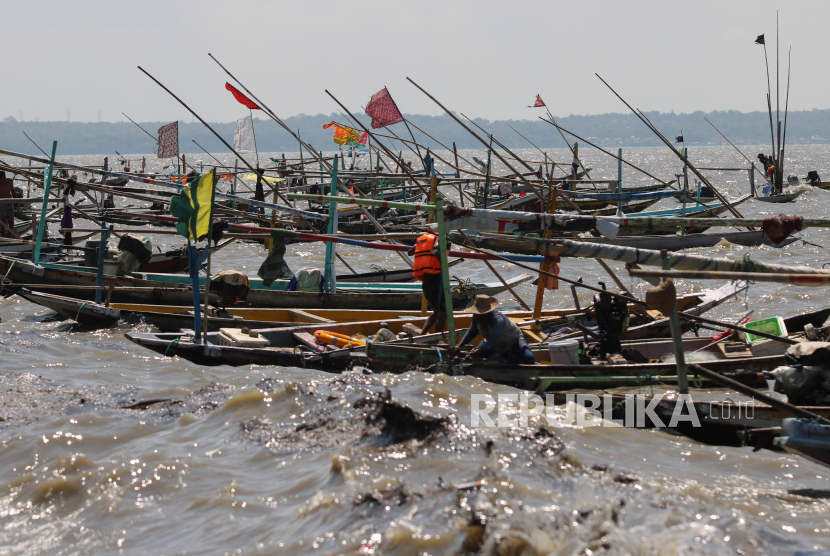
648 124
272 115
497 275
454 117
445 271
756 395
47 184
543 267
216 134
153 181
372 135
796 279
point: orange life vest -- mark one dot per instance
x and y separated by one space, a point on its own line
426 261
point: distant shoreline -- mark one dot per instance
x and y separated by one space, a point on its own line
807 127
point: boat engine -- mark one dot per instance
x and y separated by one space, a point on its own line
612 321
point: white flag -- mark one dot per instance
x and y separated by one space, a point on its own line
243 138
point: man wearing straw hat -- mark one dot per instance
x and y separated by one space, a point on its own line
503 340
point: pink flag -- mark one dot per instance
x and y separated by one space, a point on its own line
383 110
539 102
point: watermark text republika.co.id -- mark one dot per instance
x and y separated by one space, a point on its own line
592 410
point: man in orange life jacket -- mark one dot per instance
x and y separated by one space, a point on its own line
427 269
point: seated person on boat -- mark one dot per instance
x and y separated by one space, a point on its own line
503 339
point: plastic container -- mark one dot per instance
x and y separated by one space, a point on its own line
564 352
235 337
91 257
112 268
774 325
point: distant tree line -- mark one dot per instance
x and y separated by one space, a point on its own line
610 130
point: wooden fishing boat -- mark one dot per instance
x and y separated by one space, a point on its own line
806 439
174 318
175 289
610 187
285 347
393 358
784 198
530 203
504 243
722 423
171 262
116 181
720 357
49 246
284 337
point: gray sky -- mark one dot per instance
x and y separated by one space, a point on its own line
485 58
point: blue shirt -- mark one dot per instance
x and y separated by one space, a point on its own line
500 333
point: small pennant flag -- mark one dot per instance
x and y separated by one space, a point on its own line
242 98
383 110
194 207
760 40
678 139
539 102
169 140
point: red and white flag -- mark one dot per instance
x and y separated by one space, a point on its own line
242 98
383 110
539 102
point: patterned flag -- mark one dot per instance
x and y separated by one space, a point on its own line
169 140
539 102
194 207
383 110
242 98
343 135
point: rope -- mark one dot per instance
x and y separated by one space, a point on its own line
79 309
7 275
749 266
805 242
173 341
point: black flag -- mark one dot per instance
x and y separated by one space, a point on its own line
760 40
678 139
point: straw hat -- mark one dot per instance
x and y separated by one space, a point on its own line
482 305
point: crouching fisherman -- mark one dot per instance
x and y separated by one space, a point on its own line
503 339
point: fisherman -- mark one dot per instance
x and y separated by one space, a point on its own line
18 207
503 341
427 269
259 191
66 220
6 209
